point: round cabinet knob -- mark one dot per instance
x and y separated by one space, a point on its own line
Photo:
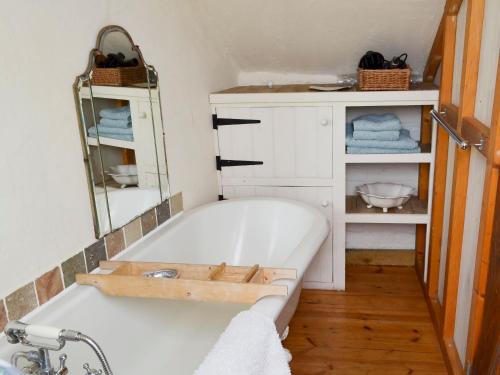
143 115
324 122
325 204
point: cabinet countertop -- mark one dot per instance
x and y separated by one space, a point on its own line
420 92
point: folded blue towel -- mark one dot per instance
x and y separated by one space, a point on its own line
404 141
376 150
118 113
382 135
115 123
110 129
387 121
110 134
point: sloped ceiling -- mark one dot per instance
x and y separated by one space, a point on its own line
296 38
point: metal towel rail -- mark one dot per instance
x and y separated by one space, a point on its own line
439 117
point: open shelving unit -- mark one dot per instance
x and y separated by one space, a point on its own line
416 213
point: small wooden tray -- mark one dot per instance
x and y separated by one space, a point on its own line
220 283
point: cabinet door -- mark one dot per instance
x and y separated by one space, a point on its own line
292 142
321 269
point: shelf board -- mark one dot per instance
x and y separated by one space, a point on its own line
118 92
380 257
423 157
413 212
111 142
420 94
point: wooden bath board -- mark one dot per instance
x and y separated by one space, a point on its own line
221 283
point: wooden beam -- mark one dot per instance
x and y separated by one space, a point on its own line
486 228
436 54
470 67
474 131
452 7
423 188
441 162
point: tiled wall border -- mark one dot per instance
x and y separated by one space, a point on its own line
37 292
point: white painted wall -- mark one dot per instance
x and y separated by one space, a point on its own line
45 214
314 40
488 63
469 248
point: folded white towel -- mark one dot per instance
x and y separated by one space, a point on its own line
250 345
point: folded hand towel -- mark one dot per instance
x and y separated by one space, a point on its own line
107 134
115 123
110 129
119 113
382 135
404 141
387 121
250 345
375 150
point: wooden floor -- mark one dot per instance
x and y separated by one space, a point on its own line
380 325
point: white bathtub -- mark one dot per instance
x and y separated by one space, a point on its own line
142 336
124 205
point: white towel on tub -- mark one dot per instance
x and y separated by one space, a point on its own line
250 345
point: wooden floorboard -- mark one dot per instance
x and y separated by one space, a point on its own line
380 325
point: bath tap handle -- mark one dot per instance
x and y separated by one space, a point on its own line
63 370
324 122
90 371
324 204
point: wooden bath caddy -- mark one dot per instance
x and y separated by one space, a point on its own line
221 283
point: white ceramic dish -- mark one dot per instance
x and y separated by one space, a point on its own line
385 195
125 175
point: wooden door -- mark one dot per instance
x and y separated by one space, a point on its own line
487 359
292 142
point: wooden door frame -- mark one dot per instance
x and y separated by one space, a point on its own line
447 44
462 118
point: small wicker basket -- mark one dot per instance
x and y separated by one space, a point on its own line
124 76
384 79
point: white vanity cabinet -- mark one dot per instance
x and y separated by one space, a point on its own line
289 142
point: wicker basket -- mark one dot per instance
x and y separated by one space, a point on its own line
384 79
118 76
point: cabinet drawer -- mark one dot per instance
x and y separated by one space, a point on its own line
292 142
321 268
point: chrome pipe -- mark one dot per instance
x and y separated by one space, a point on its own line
77 336
457 138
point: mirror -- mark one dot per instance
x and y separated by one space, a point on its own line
122 133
